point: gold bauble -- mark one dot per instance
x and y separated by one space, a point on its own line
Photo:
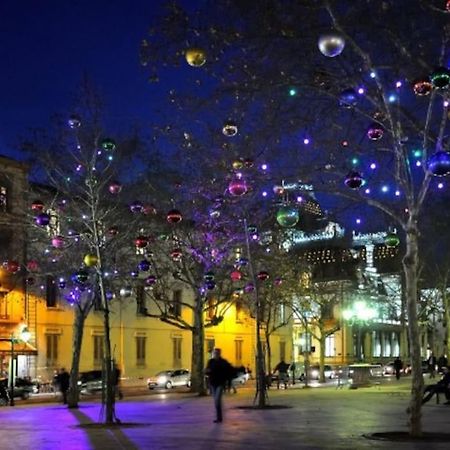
195 57
90 260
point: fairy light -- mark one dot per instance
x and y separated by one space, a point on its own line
264 194
373 166
306 141
361 91
385 188
440 185
397 193
367 191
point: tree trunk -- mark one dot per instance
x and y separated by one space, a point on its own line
77 340
198 344
410 264
260 366
269 352
322 355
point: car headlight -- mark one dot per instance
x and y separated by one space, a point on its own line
79 383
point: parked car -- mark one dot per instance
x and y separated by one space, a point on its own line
314 372
376 370
168 379
90 382
23 387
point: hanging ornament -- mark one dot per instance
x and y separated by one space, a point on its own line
195 57
80 277
42 219
62 283
74 121
252 229
237 164
149 209
115 187
391 240
136 207
422 87
447 6
176 254
32 265
126 291
141 242
11 266
108 145
353 180
249 287
235 275
90 260
439 163
348 98
37 205
150 280
174 216
278 281
144 265
113 231
58 241
331 44
288 216
440 78
237 186
229 129
242 261
249 163
29 281
209 276
263 275
210 285
375 132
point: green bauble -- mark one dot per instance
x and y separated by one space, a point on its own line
288 216
391 240
108 145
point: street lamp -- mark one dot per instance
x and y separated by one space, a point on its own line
358 314
24 336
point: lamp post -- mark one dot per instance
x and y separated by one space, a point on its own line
24 337
358 314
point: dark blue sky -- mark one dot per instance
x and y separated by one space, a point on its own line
46 46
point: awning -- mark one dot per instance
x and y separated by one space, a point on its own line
20 348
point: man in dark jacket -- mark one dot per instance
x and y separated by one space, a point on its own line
442 386
398 366
63 380
219 371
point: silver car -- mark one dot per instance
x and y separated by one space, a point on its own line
168 379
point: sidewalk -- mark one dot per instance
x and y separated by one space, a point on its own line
325 418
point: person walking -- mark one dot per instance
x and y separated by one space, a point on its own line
442 362
283 377
398 366
218 371
63 381
116 377
293 372
432 365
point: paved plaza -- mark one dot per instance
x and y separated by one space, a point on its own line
315 418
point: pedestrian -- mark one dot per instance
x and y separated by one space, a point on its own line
398 366
442 362
293 372
218 371
431 361
283 377
63 379
116 379
442 386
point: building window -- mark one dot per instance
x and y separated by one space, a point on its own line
3 198
3 306
176 351
395 346
282 313
238 307
376 344
282 351
52 349
330 346
238 351
140 350
305 342
387 344
51 292
210 344
98 351
175 306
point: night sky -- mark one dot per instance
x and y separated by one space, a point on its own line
47 46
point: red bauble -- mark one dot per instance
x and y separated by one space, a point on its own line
237 187
263 275
58 241
141 242
176 254
115 187
113 231
37 205
11 266
375 132
174 216
235 275
32 265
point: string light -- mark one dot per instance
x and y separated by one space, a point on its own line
306 141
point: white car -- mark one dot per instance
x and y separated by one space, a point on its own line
168 379
314 372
